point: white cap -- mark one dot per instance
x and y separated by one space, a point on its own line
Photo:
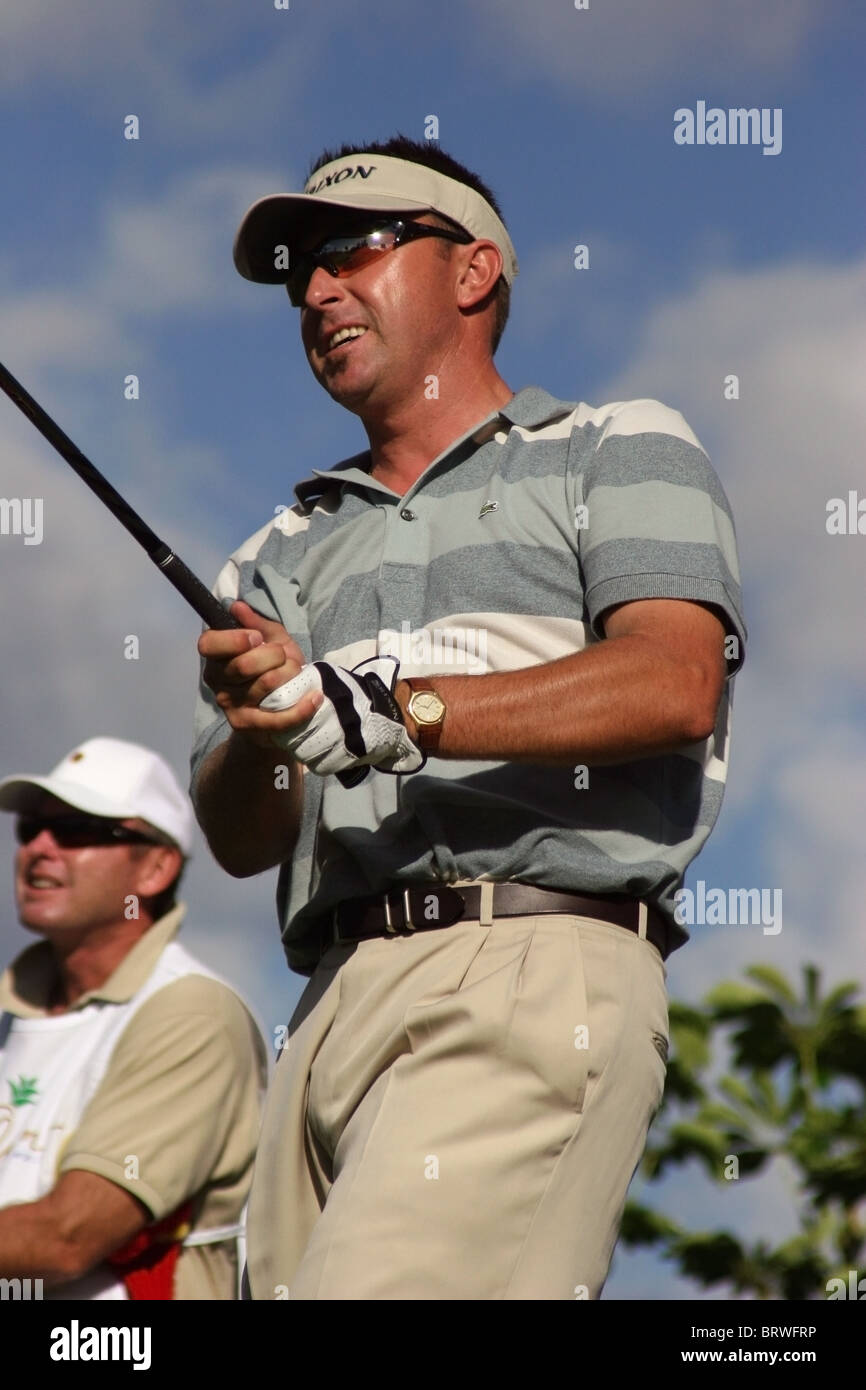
108 777
371 182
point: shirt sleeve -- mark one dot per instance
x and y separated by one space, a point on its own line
654 520
178 1109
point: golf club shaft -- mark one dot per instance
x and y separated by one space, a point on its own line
209 609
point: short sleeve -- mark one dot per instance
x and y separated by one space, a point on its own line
178 1109
656 522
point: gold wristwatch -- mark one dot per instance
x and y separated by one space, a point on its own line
427 710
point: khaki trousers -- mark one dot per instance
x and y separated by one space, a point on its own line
458 1114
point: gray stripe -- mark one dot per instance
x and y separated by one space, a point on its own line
666 560
625 459
534 407
511 462
451 584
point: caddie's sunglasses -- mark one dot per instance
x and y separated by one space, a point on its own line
343 255
79 832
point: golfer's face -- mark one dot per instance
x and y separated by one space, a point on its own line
404 304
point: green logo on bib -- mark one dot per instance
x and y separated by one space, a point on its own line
23 1090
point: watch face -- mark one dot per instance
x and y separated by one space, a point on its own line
426 707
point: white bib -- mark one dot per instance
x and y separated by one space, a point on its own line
50 1069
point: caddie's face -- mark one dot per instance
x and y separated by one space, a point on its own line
404 303
60 890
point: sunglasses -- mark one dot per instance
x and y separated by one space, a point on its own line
344 255
79 832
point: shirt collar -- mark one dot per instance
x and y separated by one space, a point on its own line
26 985
533 407
530 408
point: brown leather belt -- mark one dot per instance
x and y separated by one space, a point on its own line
426 906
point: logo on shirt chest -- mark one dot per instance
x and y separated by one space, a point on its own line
24 1090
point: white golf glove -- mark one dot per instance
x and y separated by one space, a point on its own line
358 724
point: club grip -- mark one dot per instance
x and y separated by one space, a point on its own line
209 609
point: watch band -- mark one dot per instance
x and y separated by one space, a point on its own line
429 731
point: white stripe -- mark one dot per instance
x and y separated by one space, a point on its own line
638 417
213 1235
558 429
471 644
289 523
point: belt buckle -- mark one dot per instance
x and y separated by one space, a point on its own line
408 925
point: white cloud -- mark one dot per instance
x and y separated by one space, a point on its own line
189 72
170 252
48 328
150 57
163 254
55 39
794 334
551 297
626 50
815 842
823 795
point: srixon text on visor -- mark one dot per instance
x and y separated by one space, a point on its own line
350 172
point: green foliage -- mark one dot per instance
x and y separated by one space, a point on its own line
790 1056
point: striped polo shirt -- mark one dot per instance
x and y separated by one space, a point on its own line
505 553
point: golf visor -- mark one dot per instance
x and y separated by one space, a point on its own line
368 183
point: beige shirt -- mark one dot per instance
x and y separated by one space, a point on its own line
181 1093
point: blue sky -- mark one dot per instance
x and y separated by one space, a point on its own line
115 257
